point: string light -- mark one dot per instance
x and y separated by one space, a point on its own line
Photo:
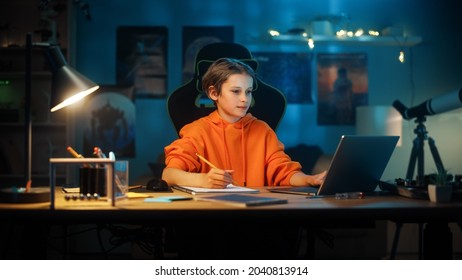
344 34
359 32
274 32
341 33
401 56
311 43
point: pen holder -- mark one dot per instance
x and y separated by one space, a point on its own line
107 163
121 176
92 180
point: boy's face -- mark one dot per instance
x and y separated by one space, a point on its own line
235 97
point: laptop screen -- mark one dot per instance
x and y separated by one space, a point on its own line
358 164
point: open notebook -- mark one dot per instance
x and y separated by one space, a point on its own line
229 189
357 166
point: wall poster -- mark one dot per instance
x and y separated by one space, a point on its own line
111 122
142 60
288 72
342 86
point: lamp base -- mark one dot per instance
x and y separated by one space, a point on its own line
19 195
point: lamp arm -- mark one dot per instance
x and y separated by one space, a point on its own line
27 112
27 108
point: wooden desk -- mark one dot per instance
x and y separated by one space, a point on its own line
318 212
298 208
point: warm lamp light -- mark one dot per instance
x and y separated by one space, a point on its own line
68 86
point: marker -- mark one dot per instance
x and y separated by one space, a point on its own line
98 152
346 195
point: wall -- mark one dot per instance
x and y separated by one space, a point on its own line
431 68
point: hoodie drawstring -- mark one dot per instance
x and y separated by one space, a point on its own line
243 150
244 171
227 158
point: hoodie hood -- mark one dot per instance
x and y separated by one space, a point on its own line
215 119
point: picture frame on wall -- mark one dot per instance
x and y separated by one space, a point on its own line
111 121
197 37
342 86
290 72
142 60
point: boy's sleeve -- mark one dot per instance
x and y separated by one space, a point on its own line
181 154
280 166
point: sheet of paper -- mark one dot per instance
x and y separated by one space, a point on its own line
229 189
167 199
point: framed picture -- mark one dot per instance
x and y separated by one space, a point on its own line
110 123
288 72
195 38
142 60
342 86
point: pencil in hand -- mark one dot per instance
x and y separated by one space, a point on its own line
206 161
211 165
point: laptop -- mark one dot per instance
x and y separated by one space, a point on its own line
357 166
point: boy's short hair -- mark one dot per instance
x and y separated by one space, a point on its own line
221 69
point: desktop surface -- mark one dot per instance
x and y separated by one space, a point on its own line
374 206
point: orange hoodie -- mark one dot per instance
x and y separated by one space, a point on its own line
249 147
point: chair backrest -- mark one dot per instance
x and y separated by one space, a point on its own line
189 102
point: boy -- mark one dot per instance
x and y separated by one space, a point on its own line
244 150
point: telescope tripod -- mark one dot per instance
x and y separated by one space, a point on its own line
417 153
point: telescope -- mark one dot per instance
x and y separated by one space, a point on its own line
439 104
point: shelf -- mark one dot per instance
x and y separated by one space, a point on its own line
20 74
36 176
362 40
50 125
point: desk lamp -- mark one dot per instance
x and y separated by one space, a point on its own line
68 86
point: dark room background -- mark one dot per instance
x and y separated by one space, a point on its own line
431 66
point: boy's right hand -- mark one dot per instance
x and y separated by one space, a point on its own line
218 178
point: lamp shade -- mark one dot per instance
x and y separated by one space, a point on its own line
68 85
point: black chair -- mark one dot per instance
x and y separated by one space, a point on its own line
189 102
